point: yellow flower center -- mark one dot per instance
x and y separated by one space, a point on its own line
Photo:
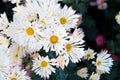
44 64
14 78
31 17
99 63
68 47
15 56
88 54
30 31
63 20
53 39
93 78
43 22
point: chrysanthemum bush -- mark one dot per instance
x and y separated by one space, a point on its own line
44 42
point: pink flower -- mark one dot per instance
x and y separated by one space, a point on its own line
5 1
100 2
115 57
102 6
100 40
93 3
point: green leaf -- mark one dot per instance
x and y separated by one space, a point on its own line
59 75
118 1
68 1
36 77
89 27
81 8
118 36
71 68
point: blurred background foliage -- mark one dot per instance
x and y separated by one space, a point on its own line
95 22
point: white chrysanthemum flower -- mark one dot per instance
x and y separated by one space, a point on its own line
17 51
43 66
61 62
15 1
2 76
16 73
25 34
67 17
83 73
17 9
45 20
53 38
4 42
73 49
117 17
103 62
27 12
5 63
17 12
94 76
46 1
89 54
3 21
47 11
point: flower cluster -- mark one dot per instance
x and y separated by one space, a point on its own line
103 64
39 28
101 4
117 17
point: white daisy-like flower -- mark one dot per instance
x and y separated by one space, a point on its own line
103 62
62 62
2 76
94 76
17 9
5 63
16 53
46 1
47 11
17 12
3 21
17 50
43 66
16 73
67 17
83 72
89 54
25 34
73 49
27 12
53 38
15 1
4 42
117 17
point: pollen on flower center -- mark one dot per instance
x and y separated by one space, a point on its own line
91 79
30 31
16 55
44 64
99 63
88 55
43 22
13 78
68 47
63 20
53 39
